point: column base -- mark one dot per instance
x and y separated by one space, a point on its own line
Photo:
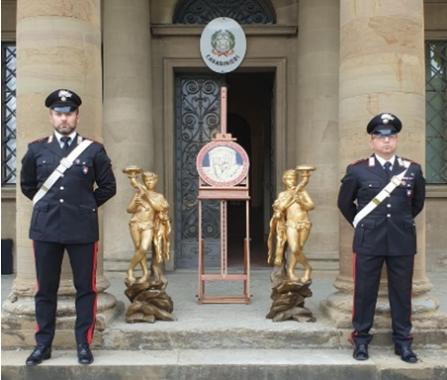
429 324
19 323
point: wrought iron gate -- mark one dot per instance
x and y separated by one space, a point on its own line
197 107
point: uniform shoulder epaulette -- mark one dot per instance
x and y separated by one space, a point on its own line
407 159
39 140
358 162
80 138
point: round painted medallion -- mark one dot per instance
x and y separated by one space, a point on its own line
222 163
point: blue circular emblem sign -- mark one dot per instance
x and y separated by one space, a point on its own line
222 163
223 45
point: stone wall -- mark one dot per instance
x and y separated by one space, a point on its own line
436 237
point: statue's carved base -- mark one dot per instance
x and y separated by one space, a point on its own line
288 298
149 298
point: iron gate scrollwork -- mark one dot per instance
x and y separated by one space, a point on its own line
197 121
243 11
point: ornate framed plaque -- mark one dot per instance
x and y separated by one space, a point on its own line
222 163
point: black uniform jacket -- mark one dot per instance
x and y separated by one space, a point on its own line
389 229
68 212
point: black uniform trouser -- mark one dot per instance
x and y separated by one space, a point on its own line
48 259
367 271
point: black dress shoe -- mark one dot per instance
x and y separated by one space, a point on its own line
40 353
406 354
85 356
361 352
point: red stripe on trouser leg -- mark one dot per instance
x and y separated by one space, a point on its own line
37 280
354 274
92 327
411 299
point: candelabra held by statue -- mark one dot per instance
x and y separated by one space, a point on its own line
149 228
290 227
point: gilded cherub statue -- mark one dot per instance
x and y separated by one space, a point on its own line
291 223
149 224
149 227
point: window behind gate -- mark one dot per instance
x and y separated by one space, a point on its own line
436 111
8 113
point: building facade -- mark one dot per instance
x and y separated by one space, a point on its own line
315 72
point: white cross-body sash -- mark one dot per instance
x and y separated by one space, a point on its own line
65 164
387 190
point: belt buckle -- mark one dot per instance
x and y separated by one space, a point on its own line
66 163
395 180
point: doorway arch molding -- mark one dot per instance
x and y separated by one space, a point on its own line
199 12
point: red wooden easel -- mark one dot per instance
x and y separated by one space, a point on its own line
224 194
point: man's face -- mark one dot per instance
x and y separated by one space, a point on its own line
64 122
384 146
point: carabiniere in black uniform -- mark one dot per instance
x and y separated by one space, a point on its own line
66 218
68 213
386 234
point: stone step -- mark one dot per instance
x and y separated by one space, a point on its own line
222 364
168 336
216 326
259 335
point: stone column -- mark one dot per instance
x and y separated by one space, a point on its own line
128 129
317 124
58 46
382 70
